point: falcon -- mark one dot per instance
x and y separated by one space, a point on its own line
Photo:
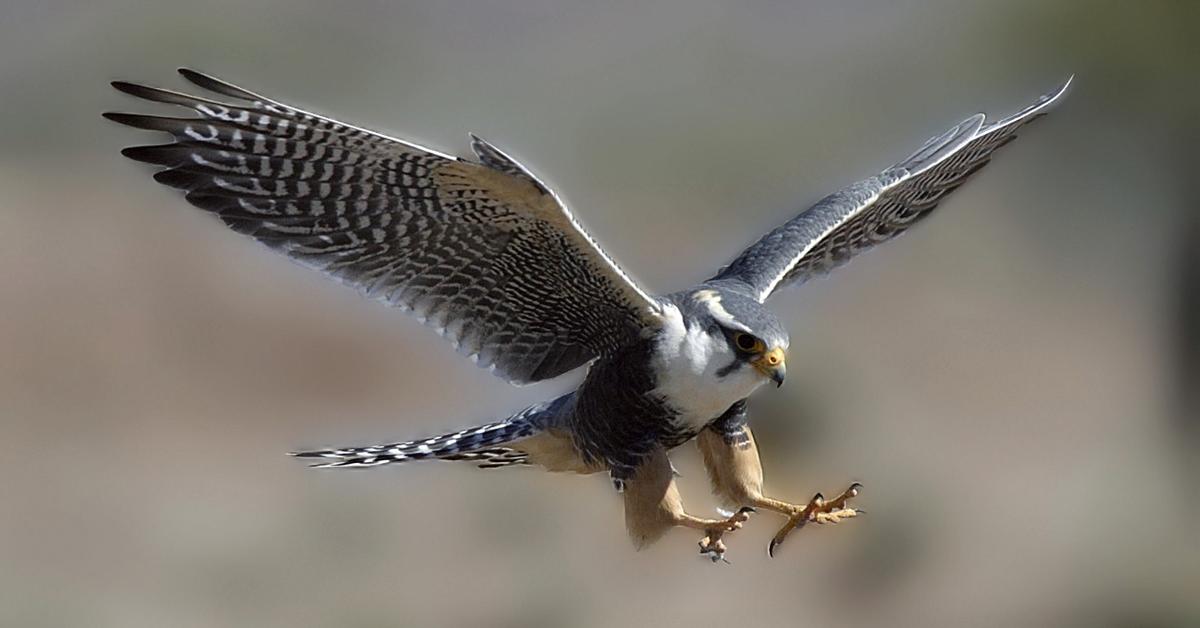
487 254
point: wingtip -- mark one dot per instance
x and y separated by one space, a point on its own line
196 77
131 152
1066 85
127 119
133 89
214 84
1053 96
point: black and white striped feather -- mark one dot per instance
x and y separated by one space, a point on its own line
871 211
483 444
482 251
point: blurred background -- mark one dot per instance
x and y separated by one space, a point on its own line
1015 381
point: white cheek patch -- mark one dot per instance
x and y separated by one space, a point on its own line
712 300
699 350
687 362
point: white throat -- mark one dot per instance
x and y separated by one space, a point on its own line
686 361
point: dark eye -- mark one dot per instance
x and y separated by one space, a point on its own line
746 342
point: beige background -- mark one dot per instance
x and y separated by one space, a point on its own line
1006 379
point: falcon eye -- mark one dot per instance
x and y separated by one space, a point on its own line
748 343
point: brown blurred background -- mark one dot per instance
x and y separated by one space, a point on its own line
1015 381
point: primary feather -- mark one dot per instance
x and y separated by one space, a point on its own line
877 209
484 252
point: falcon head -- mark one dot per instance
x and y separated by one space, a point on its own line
748 344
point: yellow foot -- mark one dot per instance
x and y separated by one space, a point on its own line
711 545
820 511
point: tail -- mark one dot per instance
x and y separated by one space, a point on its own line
482 444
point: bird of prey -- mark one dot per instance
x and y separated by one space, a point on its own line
485 252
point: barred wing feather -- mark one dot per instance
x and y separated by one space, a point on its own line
482 251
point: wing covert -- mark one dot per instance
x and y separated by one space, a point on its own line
483 252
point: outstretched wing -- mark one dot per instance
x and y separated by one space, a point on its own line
873 210
484 252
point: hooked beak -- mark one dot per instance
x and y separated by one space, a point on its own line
772 365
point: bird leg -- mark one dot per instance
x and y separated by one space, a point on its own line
653 506
731 458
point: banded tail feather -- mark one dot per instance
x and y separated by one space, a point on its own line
482 444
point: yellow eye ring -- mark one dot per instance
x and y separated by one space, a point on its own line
748 343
